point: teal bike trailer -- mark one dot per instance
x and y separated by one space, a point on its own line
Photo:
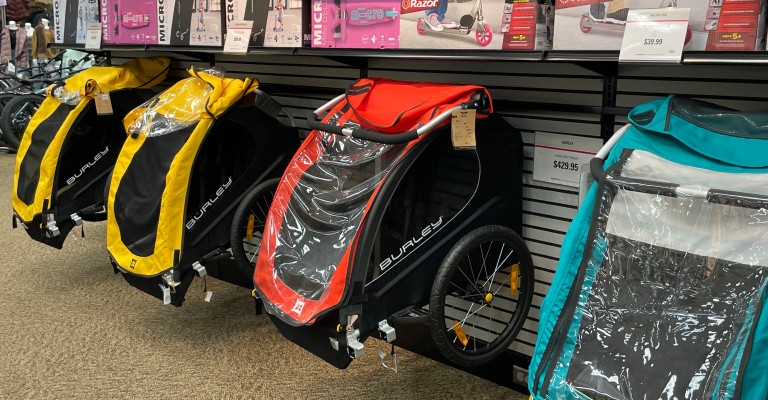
660 290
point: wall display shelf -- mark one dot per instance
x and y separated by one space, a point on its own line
572 56
583 94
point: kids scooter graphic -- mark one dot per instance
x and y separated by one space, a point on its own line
475 18
616 16
278 16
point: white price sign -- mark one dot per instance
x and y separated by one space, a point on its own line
559 158
655 35
238 36
93 36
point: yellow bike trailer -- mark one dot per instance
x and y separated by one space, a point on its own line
68 149
192 154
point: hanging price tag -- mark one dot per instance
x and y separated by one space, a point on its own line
238 36
93 36
103 103
655 35
463 129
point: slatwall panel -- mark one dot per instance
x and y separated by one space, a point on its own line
547 208
739 87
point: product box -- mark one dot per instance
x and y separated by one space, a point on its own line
71 18
528 25
250 10
460 24
191 22
713 24
355 23
735 25
129 21
284 23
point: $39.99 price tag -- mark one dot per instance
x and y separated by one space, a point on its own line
655 35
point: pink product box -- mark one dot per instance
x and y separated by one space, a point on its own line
129 21
355 24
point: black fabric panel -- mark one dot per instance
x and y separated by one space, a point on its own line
42 136
137 200
242 145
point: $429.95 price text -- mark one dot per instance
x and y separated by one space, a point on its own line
566 165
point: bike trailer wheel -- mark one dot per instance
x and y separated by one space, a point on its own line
16 115
481 295
248 225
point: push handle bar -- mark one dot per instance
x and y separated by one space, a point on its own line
596 164
479 101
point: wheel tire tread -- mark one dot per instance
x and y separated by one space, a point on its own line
5 117
444 274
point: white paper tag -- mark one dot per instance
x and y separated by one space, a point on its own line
166 295
103 104
208 296
463 129
238 36
10 69
93 36
559 158
655 35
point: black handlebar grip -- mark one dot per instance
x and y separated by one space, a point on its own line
315 124
596 168
396 138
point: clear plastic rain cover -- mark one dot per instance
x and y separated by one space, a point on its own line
336 178
176 108
675 282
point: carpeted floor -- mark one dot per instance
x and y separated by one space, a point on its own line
70 328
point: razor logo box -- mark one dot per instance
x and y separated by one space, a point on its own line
446 25
409 6
712 25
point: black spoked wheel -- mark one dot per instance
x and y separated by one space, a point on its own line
481 295
4 99
16 115
248 225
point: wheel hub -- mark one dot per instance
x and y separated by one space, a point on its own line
488 298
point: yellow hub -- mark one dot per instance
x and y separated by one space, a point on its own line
488 297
